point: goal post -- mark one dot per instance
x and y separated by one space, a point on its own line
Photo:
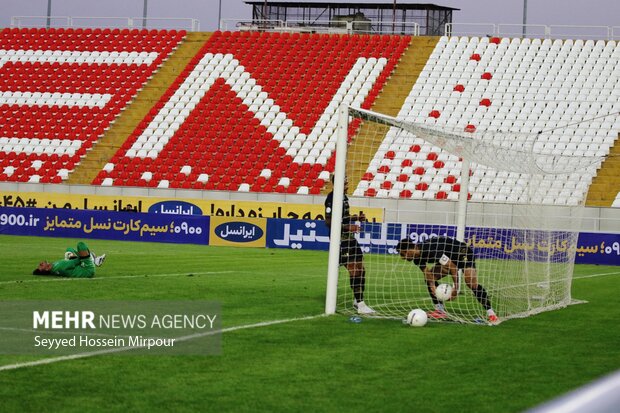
523 249
339 176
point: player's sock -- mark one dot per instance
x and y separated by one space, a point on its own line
490 312
430 292
481 295
357 285
440 307
82 251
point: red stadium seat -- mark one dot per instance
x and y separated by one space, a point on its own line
61 119
290 68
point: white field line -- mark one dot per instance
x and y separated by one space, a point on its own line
52 360
510 287
596 275
61 279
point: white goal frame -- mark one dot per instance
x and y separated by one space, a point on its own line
524 158
339 176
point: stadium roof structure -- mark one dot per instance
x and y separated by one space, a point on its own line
392 17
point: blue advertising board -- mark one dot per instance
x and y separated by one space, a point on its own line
598 248
184 229
175 207
297 234
237 232
382 238
374 238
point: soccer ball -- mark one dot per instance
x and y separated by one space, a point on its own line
417 318
443 292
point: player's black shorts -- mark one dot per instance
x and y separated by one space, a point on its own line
466 259
350 251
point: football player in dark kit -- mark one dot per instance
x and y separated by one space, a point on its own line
438 257
351 255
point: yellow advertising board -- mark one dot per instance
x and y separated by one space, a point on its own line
213 208
238 232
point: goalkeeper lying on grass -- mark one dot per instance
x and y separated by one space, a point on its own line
78 263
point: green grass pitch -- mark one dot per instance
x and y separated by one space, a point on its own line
323 364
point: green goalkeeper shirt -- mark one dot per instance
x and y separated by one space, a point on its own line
75 267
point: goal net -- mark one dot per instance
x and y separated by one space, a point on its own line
498 193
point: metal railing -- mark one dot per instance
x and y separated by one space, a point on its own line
107 22
252 25
321 26
556 31
517 30
326 26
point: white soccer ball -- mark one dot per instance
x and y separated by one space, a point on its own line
417 318
443 292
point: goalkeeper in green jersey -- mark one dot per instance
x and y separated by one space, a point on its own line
78 263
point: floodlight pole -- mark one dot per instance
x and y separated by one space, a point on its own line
394 18
219 15
144 13
524 17
49 13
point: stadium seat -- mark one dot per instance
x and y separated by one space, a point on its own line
521 86
277 97
69 88
250 79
